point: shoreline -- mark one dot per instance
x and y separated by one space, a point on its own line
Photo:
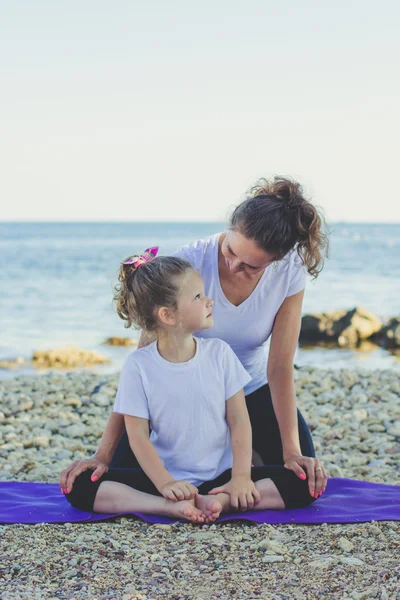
47 421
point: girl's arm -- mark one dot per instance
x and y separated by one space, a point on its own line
115 424
280 373
112 434
138 434
240 488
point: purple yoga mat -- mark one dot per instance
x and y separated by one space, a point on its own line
345 501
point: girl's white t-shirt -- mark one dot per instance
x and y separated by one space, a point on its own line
247 327
185 404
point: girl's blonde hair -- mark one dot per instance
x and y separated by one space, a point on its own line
143 289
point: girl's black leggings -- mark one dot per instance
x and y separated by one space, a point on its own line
267 443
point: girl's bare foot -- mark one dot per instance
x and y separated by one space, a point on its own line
210 507
185 509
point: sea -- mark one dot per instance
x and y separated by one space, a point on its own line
56 284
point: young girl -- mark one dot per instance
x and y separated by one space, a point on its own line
184 409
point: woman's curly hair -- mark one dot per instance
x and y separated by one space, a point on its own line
278 217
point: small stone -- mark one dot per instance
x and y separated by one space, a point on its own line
272 559
352 561
75 431
376 428
38 442
322 563
73 402
345 545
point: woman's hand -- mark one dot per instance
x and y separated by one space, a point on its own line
179 490
242 491
308 468
68 476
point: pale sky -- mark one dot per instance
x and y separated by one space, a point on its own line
155 110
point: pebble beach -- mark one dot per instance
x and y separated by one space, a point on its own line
49 420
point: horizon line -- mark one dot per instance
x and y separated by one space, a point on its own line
174 222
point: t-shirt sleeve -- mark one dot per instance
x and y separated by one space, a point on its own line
193 253
131 398
298 278
184 253
236 376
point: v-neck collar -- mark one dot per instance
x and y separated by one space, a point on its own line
221 291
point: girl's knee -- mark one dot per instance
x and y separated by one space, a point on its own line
83 492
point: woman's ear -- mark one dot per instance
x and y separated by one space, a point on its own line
166 316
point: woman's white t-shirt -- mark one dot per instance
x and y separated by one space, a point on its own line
186 406
247 327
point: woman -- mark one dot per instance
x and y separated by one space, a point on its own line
255 273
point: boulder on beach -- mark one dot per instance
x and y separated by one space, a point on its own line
345 327
68 357
389 336
13 363
120 341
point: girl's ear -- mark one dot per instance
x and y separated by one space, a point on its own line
166 316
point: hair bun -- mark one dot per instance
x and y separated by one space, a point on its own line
287 190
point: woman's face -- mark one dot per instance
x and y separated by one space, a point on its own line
241 254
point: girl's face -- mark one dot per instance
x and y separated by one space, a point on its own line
241 254
194 308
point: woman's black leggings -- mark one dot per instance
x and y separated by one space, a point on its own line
267 443
293 490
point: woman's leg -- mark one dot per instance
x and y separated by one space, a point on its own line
123 456
127 491
266 436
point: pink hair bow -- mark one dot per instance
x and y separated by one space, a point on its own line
147 255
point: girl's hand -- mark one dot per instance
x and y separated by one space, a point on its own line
242 491
179 490
308 468
68 476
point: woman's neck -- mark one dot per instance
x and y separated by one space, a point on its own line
175 346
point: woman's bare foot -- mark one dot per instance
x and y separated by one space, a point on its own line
185 509
210 506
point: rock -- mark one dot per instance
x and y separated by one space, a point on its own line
346 328
394 430
68 357
120 341
322 563
376 427
389 336
75 431
352 561
101 399
273 546
13 363
73 402
38 442
272 559
345 545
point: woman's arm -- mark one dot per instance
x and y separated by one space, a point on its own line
240 431
112 434
280 373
